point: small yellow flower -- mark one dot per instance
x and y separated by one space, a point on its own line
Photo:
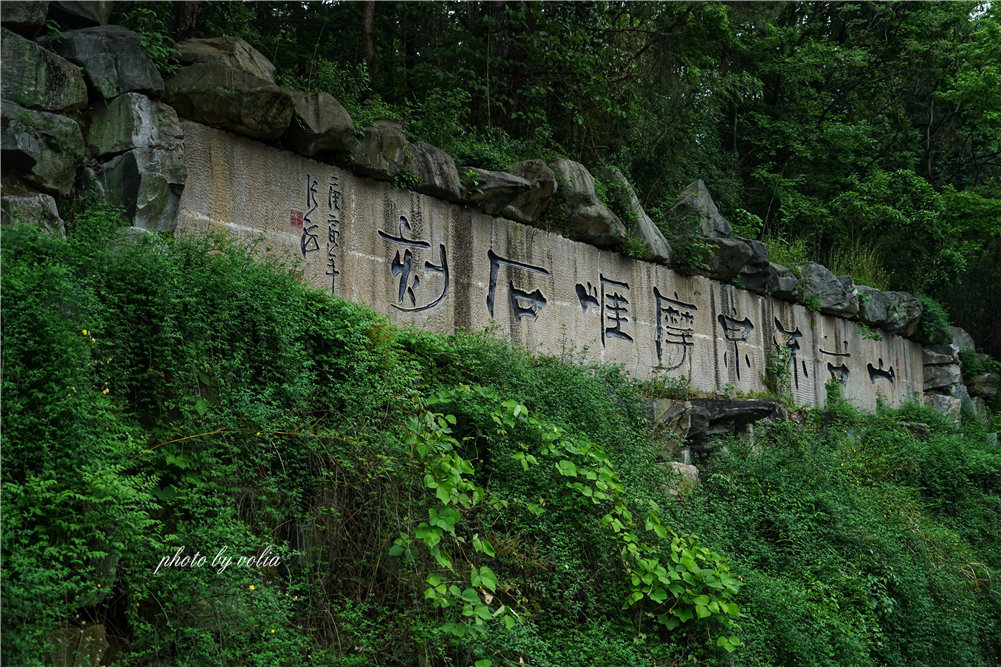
106 390
251 587
272 631
258 433
84 332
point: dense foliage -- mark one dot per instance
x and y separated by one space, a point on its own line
440 500
867 132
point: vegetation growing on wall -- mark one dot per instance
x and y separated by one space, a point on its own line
437 499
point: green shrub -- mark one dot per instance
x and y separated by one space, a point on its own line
933 328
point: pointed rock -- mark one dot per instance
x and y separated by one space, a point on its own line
40 150
37 78
587 219
435 170
695 213
319 123
638 223
492 191
227 52
24 18
382 151
836 295
528 206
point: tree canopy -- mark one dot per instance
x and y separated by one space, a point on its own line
867 134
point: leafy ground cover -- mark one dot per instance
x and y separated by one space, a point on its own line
437 499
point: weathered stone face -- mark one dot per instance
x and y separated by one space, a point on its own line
381 153
40 150
227 53
528 206
587 219
232 99
112 57
24 18
639 225
492 191
428 262
695 213
37 78
435 170
38 210
836 296
319 123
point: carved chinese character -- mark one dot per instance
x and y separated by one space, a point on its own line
840 372
612 303
522 302
308 241
409 275
736 331
876 373
792 344
675 328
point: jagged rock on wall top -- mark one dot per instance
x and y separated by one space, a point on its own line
381 153
728 258
112 57
695 213
81 13
231 99
836 296
40 150
492 191
37 209
319 123
528 206
37 78
226 52
640 225
24 18
587 219
895 312
758 270
436 171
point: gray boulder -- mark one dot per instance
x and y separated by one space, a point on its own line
80 13
24 18
728 258
940 377
38 210
836 296
136 121
435 170
143 182
983 384
712 417
40 150
638 223
112 56
226 53
319 123
873 306
381 153
587 218
492 191
782 283
232 99
34 77
945 404
695 213
528 206
962 340
903 313
683 478
939 355
756 272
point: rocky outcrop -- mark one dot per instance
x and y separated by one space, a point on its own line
835 295
319 123
528 205
895 312
227 53
782 283
492 191
682 478
112 57
148 172
80 13
436 171
37 209
713 417
587 219
638 223
695 213
40 150
37 78
24 18
728 258
756 272
381 153
230 85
